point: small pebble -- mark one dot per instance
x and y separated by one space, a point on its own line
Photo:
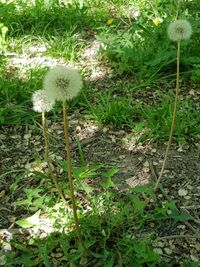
187 197
158 251
146 164
27 136
168 251
160 244
182 192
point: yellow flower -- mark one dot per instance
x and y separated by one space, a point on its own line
157 21
109 21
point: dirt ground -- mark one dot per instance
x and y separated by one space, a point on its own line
137 164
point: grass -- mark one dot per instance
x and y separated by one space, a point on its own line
15 95
68 46
130 47
158 119
121 112
110 226
115 225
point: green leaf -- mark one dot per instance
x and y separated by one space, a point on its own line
44 254
40 175
30 221
144 189
110 172
139 205
180 216
108 183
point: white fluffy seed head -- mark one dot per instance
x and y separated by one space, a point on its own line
41 101
62 83
179 30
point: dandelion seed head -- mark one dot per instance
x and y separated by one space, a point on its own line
62 83
179 30
41 101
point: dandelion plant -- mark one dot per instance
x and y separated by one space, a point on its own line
42 103
177 31
62 84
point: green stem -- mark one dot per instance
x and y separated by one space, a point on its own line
173 118
69 171
46 157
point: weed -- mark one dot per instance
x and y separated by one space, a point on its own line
3 42
139 46
178 30
114 111
130 52
111 226
158 119
115 225
67 46
15 95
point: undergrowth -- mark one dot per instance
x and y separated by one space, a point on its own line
115 226
112 224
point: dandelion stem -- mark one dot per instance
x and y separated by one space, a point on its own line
69 170
173 118
46 157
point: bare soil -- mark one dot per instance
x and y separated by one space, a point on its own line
137 164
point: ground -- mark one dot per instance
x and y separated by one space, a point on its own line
137 163
20 146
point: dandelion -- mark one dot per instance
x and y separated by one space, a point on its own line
110 21
41 101
157 22
62 83
179 30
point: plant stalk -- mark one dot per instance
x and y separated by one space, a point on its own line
46 157
69 171
173 118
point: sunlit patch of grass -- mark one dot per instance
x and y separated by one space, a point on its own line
158 117
15 94
117 112
67 46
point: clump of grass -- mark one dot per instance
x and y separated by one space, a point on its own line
157 118
15 104
117 112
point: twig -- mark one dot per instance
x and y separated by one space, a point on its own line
191 207
193 218
177 236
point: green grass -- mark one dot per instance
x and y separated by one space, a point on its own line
137 47
155 119
69 46
115 226
117 112
16 93
158 118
